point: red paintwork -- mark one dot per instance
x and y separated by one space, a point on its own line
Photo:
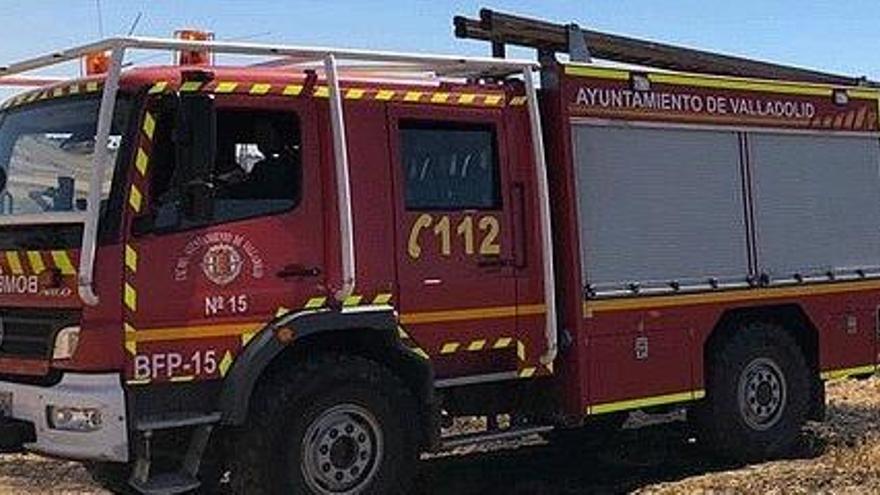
599 367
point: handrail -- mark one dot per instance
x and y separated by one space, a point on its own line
550 328
343 183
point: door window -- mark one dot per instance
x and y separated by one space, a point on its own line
257 170
449 166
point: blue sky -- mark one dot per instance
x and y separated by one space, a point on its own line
837 36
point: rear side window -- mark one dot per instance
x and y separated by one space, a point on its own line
449 166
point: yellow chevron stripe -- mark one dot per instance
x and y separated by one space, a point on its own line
322 92
149 127
527 372
412 96
91 87
385 94
130 297
36 261
190 86
315 302
476 345
382 299
293 90
135 198
439 97
14 262
354 94
493 99
131 258
141 162
225 87
130 343
260 89
449 347
62 262
159 87
352 300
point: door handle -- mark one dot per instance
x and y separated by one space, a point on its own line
296 270
493 262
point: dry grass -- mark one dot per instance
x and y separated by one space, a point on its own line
841 456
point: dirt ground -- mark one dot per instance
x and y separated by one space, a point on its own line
841 456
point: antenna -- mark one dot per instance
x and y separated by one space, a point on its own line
135 23
100 19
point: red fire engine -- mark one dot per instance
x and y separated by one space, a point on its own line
291 275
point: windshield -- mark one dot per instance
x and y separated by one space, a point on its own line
46 153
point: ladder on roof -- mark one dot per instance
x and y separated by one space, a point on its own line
503 29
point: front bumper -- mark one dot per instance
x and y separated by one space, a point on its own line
103 392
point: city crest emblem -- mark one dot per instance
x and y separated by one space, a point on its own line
222 264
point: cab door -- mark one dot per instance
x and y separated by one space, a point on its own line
456 239
197 289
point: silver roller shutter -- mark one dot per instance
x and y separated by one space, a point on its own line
659 205
817 203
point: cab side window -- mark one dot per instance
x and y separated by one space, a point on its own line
257 169
449 166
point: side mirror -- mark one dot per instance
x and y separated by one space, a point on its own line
196 147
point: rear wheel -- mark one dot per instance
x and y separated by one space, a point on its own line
335 425
758 394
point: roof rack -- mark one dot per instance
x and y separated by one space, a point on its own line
288 56
506 29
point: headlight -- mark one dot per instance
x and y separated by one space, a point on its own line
73 418
66 342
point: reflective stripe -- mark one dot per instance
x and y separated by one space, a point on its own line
135 198
639 403
130 297
260 89
131 258
848 372
293 90
226 87
141 161
149 125
14 263
36 261
62 262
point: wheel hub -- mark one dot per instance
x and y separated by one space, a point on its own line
342 450
762 394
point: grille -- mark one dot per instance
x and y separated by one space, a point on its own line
31 333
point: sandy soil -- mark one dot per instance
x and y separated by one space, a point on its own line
841 456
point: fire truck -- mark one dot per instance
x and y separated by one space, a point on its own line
292 274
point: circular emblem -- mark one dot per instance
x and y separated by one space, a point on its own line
222 264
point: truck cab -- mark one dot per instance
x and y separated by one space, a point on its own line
222 264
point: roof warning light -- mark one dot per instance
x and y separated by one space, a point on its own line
194 57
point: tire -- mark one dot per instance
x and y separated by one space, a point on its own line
758 389
335 424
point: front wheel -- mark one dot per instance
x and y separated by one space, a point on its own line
336 424
758 394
